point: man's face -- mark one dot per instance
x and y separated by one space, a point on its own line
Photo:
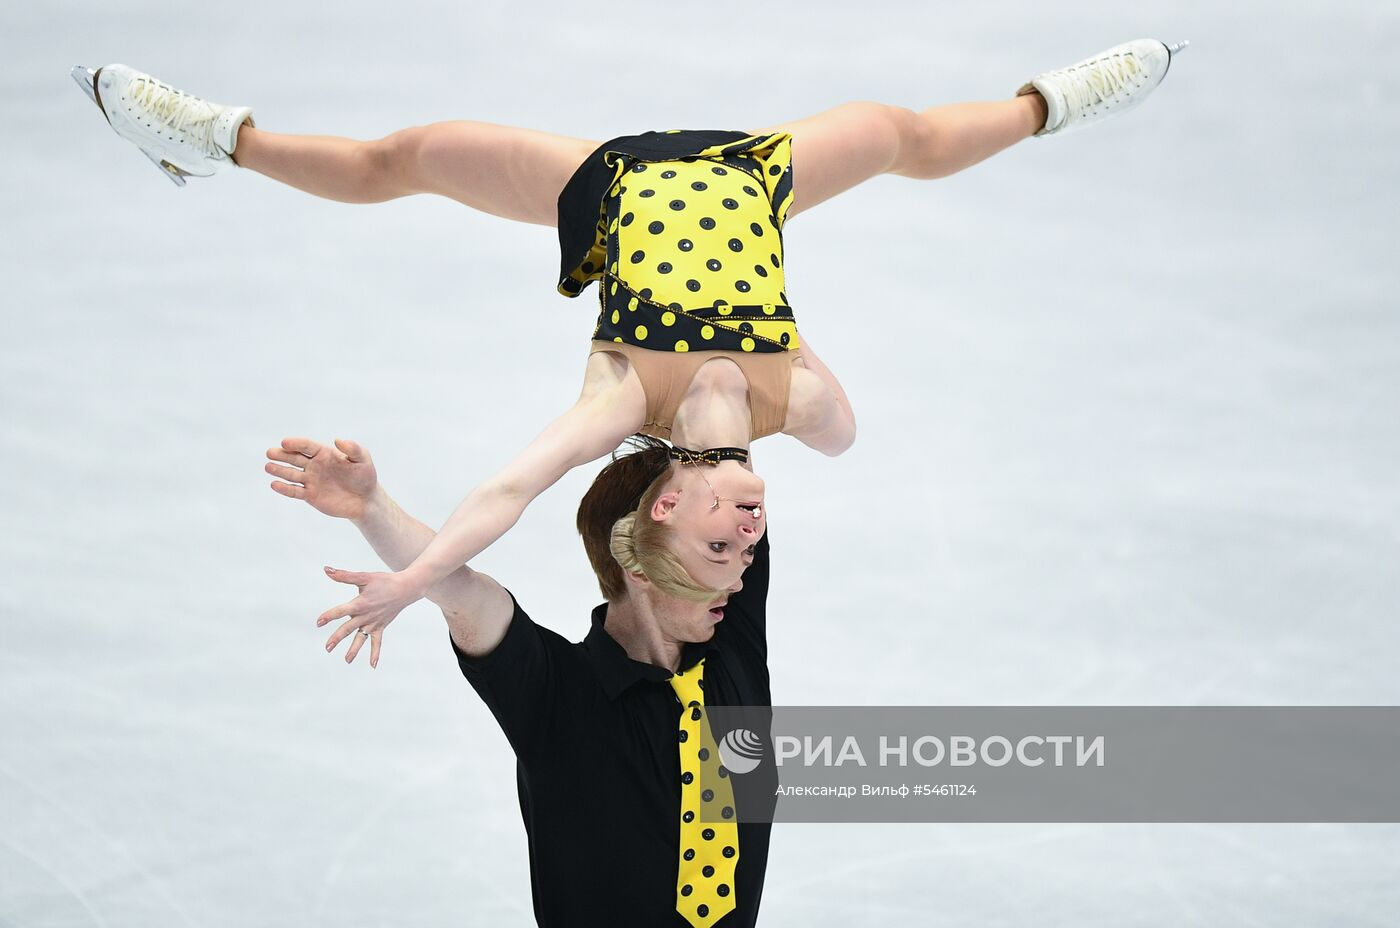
684 620
715 543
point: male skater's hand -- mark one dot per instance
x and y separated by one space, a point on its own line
337 480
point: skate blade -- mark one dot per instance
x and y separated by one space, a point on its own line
1178 48
86 79
176 175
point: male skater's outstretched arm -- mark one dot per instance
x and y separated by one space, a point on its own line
340 481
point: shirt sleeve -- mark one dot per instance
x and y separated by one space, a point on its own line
748 608
518 680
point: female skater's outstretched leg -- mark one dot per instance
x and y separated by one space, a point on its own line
518 173
838 149
505 171
508 172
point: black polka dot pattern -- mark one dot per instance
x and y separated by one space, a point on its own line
686 216
708 850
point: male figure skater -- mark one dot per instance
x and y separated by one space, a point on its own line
623 830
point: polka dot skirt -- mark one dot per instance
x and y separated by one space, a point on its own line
688 247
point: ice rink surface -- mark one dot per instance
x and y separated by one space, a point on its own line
1140 446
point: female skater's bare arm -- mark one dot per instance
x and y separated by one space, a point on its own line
596 425
819 414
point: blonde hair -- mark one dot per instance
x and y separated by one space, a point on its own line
640 544
614 521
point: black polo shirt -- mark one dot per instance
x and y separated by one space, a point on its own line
598 761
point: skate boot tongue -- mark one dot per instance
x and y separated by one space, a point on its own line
1054 103
226 126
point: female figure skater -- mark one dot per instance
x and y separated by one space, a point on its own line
695 341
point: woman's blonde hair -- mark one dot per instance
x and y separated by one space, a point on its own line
619 533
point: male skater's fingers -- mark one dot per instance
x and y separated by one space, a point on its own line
352 451
287 457
304 446
289 474
289 489
374 641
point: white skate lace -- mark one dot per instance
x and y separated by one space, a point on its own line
180 111
1095 82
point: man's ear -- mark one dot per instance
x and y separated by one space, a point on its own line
636 579
665 505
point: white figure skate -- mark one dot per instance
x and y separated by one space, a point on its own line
183 135
1111 82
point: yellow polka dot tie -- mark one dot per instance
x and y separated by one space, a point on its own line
709 850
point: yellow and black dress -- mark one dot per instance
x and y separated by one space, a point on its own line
683 232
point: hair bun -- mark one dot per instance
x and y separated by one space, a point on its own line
623 545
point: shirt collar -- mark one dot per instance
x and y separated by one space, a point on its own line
616 671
